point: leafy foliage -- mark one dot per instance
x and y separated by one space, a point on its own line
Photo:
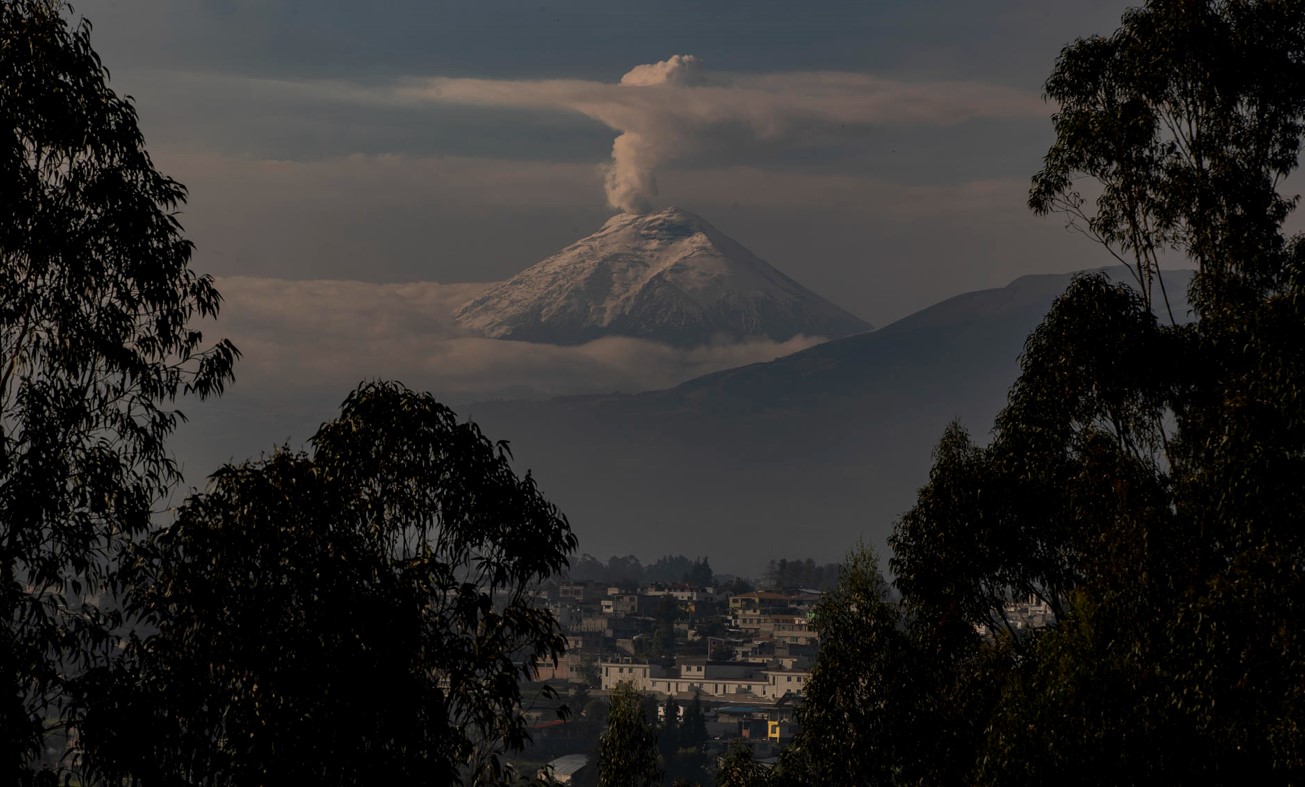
785 574
848 719
700 574
359 615
722 651
627 571
1144 478
627 750
1188 118
739 769
663 635
693 728
887 702
97 304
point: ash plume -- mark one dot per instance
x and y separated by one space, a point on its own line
630 180
670 109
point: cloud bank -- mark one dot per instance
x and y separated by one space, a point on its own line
322 335
673 108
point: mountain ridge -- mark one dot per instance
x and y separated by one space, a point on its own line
808 452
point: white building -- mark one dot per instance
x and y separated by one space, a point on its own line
714 679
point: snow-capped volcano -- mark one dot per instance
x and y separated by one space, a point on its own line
668 276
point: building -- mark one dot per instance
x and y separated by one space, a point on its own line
714 679
637 674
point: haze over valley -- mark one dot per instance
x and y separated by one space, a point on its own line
724 446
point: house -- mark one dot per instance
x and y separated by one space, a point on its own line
758 601
638 674
621 604
715 679
794 630
575 592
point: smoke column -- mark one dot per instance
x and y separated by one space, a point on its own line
630 181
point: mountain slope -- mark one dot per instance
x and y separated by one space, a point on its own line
668 276
797 457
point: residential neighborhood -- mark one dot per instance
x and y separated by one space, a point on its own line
740 657
682 640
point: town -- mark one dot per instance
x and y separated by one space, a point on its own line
742 657
739 656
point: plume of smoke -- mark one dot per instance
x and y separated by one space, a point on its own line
666 110
630 180
674 70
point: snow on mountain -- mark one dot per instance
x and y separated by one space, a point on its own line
668 276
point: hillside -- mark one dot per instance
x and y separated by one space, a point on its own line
804 454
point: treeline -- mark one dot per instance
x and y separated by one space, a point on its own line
627 571
790 574
639 748
356 613
1144 480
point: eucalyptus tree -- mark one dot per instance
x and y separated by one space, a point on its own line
627 749
1144 478
360 614
98 338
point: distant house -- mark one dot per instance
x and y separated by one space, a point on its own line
758 601
570 667
569 615
794 630
621 604
637 674
580 592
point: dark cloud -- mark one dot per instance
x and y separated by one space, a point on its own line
1012 40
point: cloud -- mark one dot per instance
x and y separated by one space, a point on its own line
314 335
663 113
675 70
875 246
673 108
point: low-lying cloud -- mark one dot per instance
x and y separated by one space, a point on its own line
325 335
667 110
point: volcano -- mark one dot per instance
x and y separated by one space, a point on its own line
667 276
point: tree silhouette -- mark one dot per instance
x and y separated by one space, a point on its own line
360 614
849 720
693 730
97 340
627 750
1144 478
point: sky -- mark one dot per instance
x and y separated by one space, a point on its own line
357 170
